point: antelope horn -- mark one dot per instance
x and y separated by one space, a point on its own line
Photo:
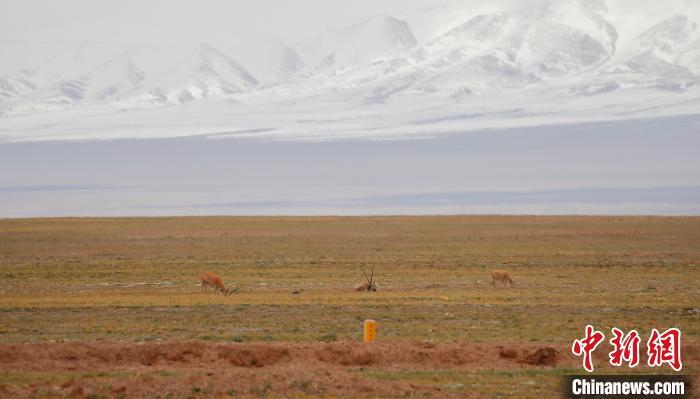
231 291
365 273
371 277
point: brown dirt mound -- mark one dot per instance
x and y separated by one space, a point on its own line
543 357
7 355
508 353
254 355
88 356
144 370
546 356
347 354
151 354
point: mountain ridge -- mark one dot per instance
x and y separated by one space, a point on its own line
566 49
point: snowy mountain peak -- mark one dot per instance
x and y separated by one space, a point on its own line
375 38
214 63
557 39
560 48
272 60
395 33
662 56
204 72
667 38
484 29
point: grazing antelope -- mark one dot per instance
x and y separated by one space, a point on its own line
370 285
501 275
211 279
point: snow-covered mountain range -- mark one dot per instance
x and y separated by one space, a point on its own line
559 62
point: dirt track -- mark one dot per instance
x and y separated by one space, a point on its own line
336 369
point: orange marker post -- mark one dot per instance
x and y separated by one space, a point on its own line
370 330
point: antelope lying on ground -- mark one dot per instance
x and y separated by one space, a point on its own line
214 281
370 285
501 275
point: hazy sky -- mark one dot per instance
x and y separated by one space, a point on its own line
243 28
236 21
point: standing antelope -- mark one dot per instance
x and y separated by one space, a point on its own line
211 279
501 275
370 285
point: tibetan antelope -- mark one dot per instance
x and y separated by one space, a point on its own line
211 279
501 275
370 285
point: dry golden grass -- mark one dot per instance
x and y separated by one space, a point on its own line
628 271
137 279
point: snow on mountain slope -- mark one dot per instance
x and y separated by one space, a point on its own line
89 75
487 53
551 41
375 38
560 59
16 85
113 78
271 60
203 73
690 57
667 38
567 37
103 83
662 56
51 74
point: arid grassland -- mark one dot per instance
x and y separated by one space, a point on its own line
131 284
